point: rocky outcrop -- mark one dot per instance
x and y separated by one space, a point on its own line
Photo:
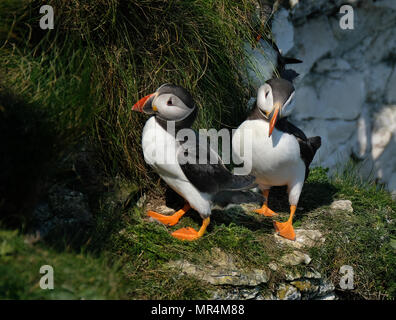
290 275
304 239
346 91
234 282
222 271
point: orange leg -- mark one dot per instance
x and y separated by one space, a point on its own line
169 220
285 229
191 234
264 210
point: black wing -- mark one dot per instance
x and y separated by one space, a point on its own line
209 177
308 146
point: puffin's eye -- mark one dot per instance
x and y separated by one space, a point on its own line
169 103
266 94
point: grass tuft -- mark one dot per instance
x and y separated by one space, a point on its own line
104 55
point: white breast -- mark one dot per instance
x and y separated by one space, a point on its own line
275 160
160 152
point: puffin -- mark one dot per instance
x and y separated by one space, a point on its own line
188 166
281 152
277 62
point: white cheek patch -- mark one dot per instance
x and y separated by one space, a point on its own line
170 107
174 112
265 103
288 106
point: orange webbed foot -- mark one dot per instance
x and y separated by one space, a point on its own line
285 230
188 233
265 211
169 220
191 234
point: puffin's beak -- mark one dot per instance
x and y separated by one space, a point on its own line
274 119
144 104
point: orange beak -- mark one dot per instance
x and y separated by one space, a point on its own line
138 106
273 120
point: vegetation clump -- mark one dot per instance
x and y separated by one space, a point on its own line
102 56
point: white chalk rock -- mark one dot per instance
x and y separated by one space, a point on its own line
384 128
376 81
332 64
313 40
342 99
336 99
283 31
295 258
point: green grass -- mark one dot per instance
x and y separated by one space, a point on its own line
76 275
87 73
361 239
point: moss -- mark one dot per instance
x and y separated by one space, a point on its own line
303 286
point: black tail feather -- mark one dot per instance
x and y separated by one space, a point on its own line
315 143
241 182
224 198
289 60
289 74
285 60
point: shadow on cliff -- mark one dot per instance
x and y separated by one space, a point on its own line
27 151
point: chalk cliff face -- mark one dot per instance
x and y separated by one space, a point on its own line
346 91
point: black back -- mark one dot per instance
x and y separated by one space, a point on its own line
210 177
308 146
